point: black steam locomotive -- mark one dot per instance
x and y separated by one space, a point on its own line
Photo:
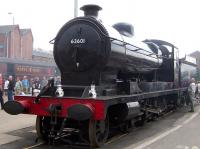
108 80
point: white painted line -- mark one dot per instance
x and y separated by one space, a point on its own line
36 145
147 143
189 119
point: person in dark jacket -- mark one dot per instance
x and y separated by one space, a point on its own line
1 98
36 86
43 82
11 86
57 81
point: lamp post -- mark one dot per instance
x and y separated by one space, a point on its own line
75 8
7 55
13 44
13 18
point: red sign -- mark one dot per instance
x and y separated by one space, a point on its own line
32 70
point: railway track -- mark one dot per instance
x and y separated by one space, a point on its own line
114 138
76 146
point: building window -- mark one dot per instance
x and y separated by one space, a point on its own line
1 46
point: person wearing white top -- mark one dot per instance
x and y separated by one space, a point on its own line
6 86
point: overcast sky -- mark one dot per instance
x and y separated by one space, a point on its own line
176 21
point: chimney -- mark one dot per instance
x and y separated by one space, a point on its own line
91 10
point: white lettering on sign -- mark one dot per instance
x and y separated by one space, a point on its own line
77 41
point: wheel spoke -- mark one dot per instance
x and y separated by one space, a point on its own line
98 132
42 127
98 137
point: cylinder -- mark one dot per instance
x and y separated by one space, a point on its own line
80 112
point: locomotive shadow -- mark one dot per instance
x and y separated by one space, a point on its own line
27 139
151 129
26 136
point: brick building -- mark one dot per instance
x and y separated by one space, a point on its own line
15 42
26 43
18 58
196 55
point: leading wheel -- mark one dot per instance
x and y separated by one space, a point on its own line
43 127
98 132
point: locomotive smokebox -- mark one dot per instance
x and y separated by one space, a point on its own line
81 50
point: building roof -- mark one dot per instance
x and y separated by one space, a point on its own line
42 54
25 62
7 28
24 31
195 54
189 60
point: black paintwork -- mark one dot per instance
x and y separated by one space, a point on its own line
91 10
83 53
124 29
79 112
86 54
14 107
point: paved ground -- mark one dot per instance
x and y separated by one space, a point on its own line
10 124
179 130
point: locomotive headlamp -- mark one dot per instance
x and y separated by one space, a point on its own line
92 91
59 91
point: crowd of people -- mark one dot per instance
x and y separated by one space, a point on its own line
23 86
